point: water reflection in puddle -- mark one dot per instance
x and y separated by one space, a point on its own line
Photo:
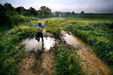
72 40
33 44
90 61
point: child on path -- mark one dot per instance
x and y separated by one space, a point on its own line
39 30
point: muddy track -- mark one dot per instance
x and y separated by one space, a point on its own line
42 63
37 64
90 62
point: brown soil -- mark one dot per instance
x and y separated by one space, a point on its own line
91 63
41 63
37 64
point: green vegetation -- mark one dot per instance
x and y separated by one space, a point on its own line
67 61
8 9
94 16
53 26
14 27
10 55
98 33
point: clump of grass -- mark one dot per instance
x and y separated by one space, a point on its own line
8 51
67 62
54 30
97 34
53 26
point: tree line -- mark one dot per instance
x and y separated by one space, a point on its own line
10 15
43 12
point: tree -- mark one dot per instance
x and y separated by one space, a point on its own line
57 14
6 11
20 10
73 13
67 14
2 8
82 12
44 12
33 11
8 7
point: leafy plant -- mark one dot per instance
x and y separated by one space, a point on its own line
67 62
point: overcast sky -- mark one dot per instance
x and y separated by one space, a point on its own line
94 6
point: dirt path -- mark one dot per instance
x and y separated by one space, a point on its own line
90 62
40 63
37 64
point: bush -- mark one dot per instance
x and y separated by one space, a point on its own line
67 62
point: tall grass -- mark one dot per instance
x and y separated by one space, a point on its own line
97 33
67 61
53 26
8 50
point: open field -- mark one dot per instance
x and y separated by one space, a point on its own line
95 32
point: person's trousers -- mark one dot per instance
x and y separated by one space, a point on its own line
38 35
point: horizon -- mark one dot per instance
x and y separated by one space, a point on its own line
88 6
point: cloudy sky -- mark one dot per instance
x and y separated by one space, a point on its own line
94 6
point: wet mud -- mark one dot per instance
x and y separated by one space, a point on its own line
90 62
37 64
39 57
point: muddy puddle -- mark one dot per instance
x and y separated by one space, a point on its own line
33 44
90 62
36 62
71 39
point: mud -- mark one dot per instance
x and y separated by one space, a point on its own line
90 62
37 64
39 57
40 60
32 44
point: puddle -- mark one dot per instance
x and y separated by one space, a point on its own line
71 39
33 44
90 61
38 64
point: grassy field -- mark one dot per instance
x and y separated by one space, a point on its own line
97 32
12 35
67 61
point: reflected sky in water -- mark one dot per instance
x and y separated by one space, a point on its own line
72 40
31 44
